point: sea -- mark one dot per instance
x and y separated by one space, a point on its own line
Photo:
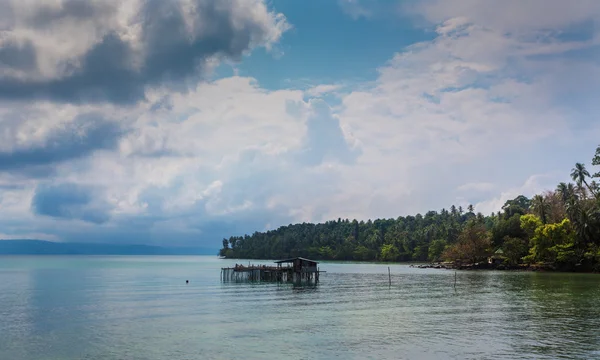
140 307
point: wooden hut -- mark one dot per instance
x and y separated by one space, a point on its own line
497 258
296 269
300 264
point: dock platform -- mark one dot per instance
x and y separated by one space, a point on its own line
289 270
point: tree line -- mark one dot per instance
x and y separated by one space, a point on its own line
559 227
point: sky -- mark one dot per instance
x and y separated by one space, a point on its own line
181 122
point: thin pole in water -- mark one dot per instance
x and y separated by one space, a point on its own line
455 280
389 276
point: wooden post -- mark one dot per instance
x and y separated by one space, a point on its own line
389 276
455 280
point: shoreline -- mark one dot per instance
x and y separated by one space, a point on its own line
503 267
458 266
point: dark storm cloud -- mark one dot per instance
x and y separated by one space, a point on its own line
45 14
86 134
69 201
18 56
170 53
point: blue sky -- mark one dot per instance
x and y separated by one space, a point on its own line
182 122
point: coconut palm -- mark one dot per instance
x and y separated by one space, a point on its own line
579 174
566 192
540 207
581 191
595 187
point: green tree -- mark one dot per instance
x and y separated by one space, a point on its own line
579 174
436 249
507 226
453 210
540 207
473 244
389 252
529 224
550 242
514 250
596 161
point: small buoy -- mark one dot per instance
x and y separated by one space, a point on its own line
187 281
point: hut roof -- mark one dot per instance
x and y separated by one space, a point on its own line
293 259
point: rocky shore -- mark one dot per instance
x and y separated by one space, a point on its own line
487 266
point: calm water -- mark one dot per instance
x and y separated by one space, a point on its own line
140 308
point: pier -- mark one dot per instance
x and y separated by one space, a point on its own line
289 270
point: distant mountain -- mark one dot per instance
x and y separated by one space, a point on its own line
40 247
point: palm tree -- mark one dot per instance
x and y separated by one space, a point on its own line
595 186
540 207
596 159
582 191
470 208
480 217
579 174
566 192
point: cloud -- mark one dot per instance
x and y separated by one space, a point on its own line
520 17
70 201
477 186
115 51
325 139
535 184
322 89
472 103
355 8
80 137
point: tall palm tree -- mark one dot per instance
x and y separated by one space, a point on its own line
582 191
540 207
596 159
566 192
595 186
579 174
480 218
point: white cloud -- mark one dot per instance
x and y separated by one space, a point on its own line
535 184
356 8
511 15
477 186
322 89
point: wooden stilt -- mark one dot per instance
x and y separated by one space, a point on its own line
455 280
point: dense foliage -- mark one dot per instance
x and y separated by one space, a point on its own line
561 227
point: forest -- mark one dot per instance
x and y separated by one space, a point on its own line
560 227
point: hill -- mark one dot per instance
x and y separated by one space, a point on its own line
40 247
